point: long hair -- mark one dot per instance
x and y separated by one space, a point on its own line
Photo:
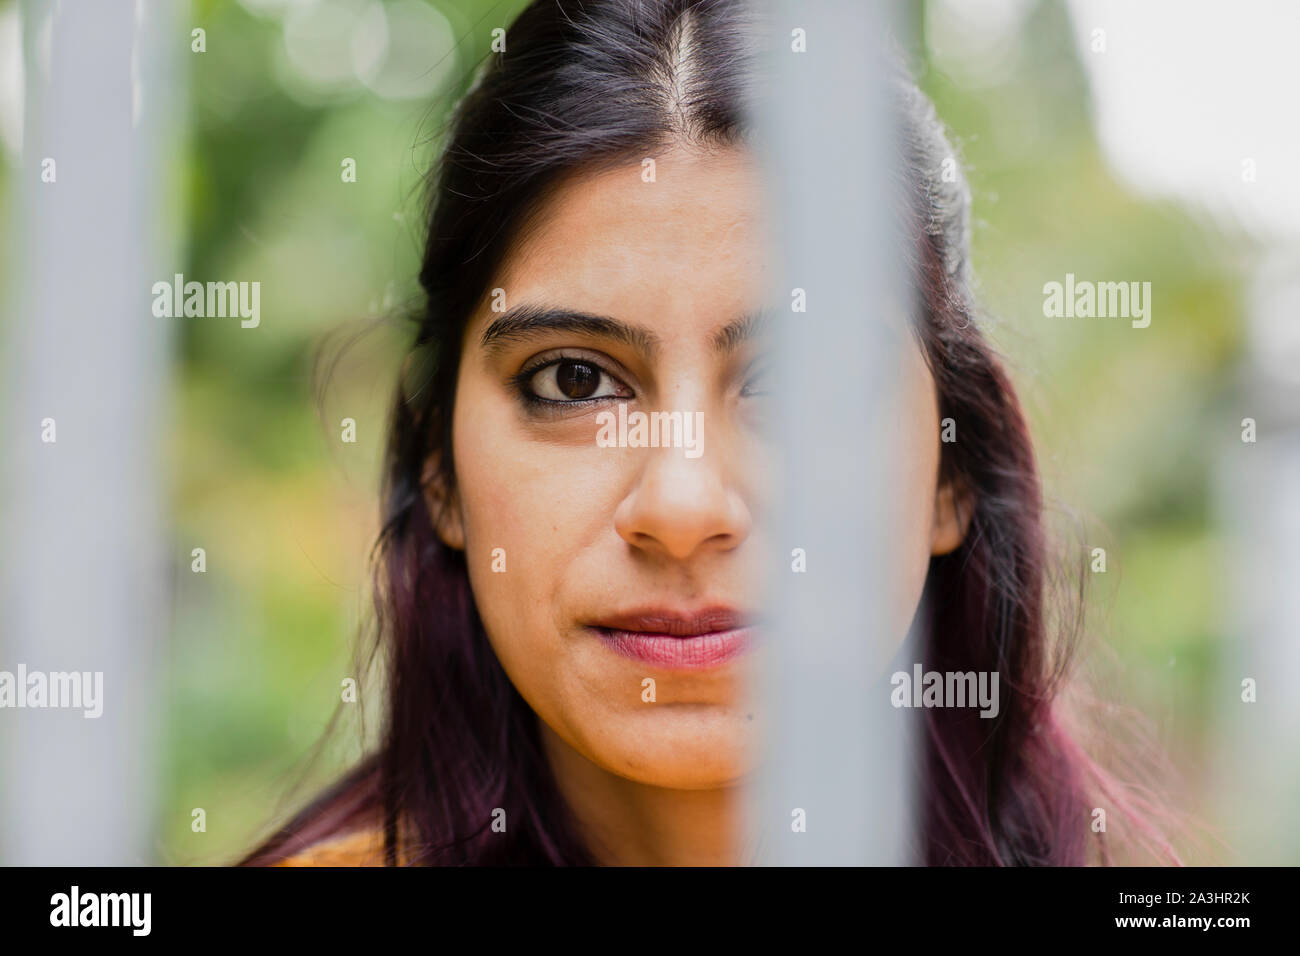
591 84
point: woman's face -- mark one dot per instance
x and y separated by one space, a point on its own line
615 579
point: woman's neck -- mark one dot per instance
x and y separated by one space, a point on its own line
627 823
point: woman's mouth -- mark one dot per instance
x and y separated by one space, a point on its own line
677 640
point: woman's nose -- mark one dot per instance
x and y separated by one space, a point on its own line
680 505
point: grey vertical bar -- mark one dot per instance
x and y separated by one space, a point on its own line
83 573
836 757
1256 783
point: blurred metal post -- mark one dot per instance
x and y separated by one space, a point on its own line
833 789
83 573
1257 502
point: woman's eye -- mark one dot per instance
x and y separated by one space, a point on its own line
572 380
757 384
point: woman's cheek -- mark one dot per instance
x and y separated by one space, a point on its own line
914 485
518 502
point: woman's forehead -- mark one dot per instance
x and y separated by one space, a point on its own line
685 242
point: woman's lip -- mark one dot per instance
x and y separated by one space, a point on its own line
670 651
659 621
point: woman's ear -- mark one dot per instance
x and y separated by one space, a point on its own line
953 507
443 505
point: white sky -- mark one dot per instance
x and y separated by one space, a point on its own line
1184 92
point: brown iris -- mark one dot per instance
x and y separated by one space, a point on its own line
576 379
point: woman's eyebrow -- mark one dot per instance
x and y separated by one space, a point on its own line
524 322
732 336
529 321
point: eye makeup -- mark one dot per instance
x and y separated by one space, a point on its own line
560 379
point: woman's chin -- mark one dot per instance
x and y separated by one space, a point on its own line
692 761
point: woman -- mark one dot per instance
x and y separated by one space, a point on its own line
530 579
